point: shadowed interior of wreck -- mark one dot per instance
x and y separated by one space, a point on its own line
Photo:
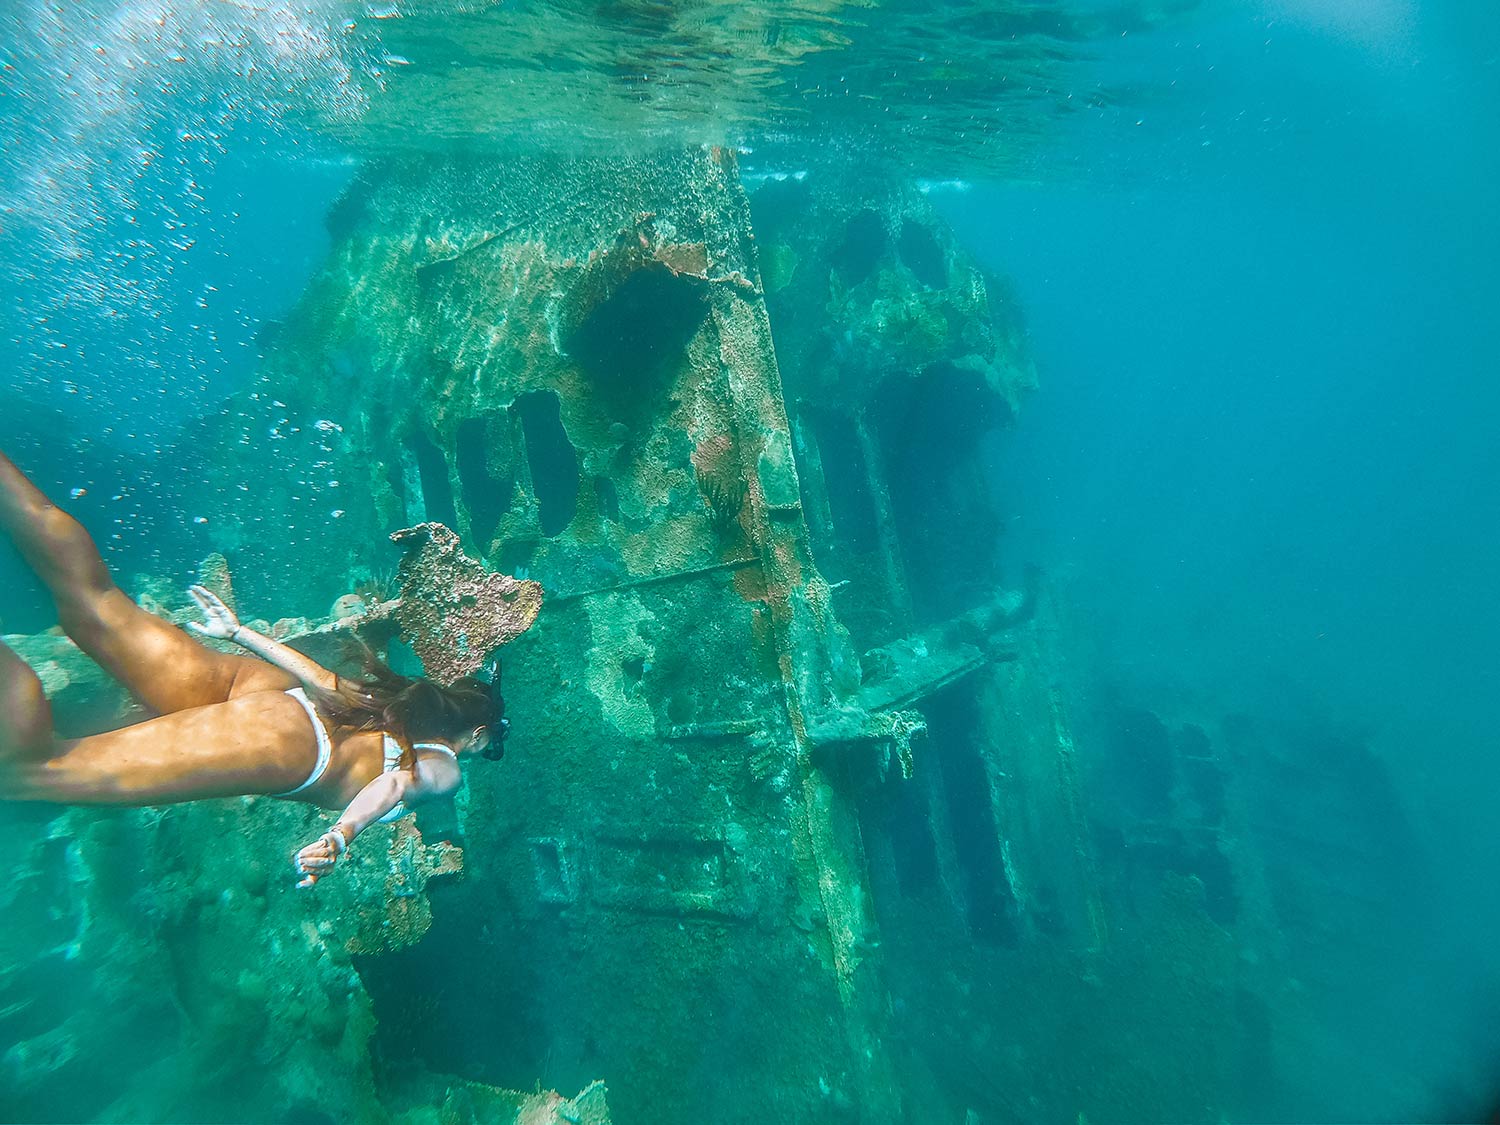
929 427
552 459
481 446
640 326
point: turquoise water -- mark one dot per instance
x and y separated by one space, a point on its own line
1254 250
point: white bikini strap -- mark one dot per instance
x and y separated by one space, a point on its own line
325 744
392 750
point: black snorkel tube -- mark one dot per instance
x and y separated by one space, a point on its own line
499 724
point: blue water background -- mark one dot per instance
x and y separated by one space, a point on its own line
1265 456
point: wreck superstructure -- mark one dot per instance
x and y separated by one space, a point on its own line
584 381
793 825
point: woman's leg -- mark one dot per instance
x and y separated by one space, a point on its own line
256 744
160 663
25 714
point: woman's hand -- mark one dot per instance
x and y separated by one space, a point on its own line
219 619
317 859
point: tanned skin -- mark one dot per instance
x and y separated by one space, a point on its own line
224 725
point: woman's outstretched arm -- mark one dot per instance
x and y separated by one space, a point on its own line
221 622
430 779
371 803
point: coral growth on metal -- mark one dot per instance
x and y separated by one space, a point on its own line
453 611
402 914
213 573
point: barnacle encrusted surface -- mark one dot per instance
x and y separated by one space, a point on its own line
453 611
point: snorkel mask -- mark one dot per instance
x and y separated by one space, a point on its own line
499 725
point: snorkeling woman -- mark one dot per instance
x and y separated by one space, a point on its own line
227 726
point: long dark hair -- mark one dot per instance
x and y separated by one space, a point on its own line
414 708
